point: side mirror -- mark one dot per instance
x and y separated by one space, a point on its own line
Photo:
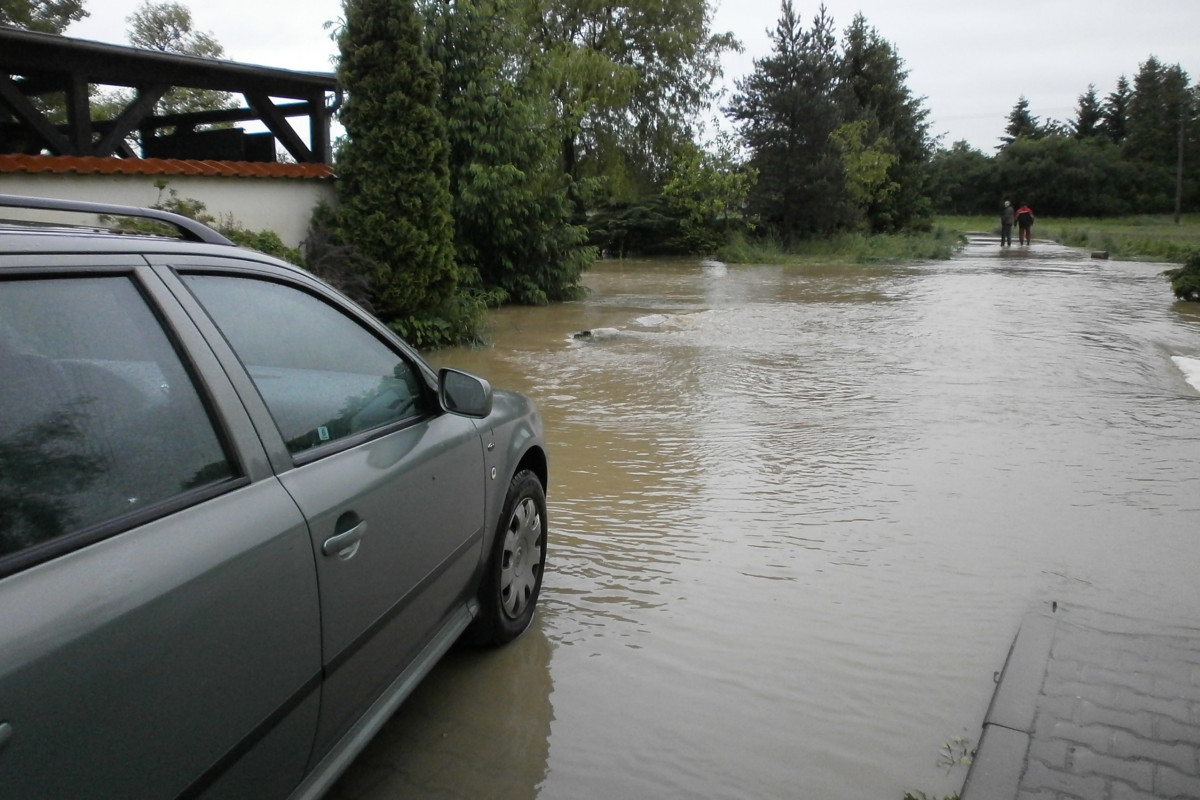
463 393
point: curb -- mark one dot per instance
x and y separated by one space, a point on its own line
996 770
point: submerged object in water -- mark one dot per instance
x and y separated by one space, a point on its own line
596 334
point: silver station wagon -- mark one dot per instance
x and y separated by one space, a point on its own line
239 518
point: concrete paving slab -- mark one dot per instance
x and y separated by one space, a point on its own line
1093 705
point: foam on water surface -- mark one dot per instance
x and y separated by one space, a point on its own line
1190 367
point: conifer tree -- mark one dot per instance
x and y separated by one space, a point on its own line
874 90
786 112
1115 121
1022 124
1088 115
393 175
1158 103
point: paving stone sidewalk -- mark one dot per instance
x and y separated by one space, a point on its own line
1093 706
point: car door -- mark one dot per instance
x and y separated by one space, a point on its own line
392 487
158 632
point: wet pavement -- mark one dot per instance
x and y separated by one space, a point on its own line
1093 705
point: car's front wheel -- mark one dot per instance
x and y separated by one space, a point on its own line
513 579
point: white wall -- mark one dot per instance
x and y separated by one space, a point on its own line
282 205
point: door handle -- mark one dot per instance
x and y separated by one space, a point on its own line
345 545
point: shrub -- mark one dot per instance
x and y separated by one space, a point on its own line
1185 280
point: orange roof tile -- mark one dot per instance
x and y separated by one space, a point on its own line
83 165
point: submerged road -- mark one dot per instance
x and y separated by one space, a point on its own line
798 517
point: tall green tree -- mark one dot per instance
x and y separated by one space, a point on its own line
786 111
874 91
44 16
393 172
1162 128
1156 108
1022 124
628 79
1115 122
169 28
513 234
1088 115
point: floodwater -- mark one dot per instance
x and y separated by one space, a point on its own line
797 515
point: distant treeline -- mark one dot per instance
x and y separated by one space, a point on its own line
1135 151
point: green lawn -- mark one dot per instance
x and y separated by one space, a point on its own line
846 248
1151 237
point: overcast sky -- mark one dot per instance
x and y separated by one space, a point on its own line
970 60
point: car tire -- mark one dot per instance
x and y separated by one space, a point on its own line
513 577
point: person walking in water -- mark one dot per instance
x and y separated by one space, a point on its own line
1007 216
1024 224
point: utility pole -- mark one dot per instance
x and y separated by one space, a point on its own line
1189 99
1183 109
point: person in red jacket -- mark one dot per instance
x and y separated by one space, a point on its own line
1024 224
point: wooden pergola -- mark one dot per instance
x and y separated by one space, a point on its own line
34 65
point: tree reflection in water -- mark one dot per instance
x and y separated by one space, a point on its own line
44 466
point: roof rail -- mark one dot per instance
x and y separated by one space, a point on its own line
189 229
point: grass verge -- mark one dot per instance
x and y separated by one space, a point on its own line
848 248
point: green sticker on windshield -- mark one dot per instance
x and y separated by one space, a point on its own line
323 433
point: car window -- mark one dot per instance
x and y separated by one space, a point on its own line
100 417
322 375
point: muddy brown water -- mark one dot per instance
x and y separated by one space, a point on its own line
798 513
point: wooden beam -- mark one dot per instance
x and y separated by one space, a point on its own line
33 119
319 130
277 123
79 116
216 116
129 118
